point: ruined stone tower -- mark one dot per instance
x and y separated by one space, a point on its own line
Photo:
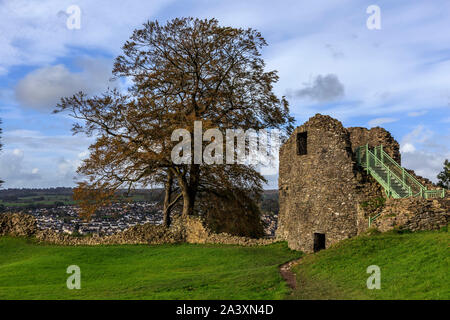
320 185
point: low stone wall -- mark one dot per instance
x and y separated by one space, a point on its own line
190 230
16 224
413 214
196 232
142 234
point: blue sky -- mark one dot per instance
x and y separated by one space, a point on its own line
328 62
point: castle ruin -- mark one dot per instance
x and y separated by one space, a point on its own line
320 184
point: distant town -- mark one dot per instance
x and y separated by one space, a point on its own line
55 209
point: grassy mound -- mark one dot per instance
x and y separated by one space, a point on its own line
412 265
34 271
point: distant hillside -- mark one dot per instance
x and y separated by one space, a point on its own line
50 197
54 197
269 203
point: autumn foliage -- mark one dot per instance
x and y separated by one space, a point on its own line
184 71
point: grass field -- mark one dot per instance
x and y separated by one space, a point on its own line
412 265
34 271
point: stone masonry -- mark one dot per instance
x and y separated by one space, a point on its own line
320 185
414 214
374 137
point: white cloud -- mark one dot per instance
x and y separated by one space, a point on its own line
36 141
379 121
17 153
32 159
384 72
13 169
43 88
17 171
35 32
83 154
378 68
417 113
420 134
67 167
425 151
407 148
425 164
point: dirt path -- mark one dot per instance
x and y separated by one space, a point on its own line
288 275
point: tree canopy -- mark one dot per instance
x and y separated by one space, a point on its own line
184 71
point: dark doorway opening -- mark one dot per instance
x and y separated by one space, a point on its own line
319 241
302 138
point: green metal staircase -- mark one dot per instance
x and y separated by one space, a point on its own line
396 181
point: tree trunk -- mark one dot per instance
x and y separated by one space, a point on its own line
188 204
167 195
189 190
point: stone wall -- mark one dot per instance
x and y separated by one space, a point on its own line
319 192
360 136
190 230
19 225
371 205
196 232
413 214
140 234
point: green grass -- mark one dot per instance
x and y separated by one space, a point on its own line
29 270
413 266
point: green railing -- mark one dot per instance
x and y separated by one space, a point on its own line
417 189
431 194
396 181
371 219
377 168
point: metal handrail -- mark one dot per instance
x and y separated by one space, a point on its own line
406 176
371 219
407 180
406 173
390 190
392 173
435 193
389 173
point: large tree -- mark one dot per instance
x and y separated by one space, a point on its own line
184 71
